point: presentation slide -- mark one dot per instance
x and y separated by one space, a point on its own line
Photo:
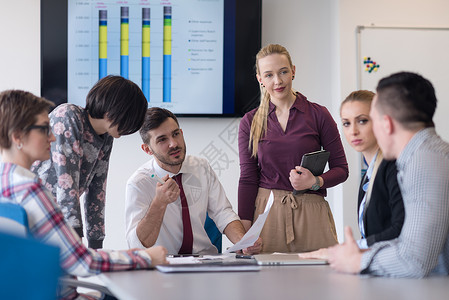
172 49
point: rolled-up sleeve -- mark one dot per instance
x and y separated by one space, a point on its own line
137 202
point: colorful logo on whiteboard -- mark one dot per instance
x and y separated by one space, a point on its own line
370 66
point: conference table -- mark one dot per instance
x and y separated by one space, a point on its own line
272 282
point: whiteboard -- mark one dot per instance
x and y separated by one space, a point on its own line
420 50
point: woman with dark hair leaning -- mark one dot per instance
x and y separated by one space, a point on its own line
25 136
79 158
272 140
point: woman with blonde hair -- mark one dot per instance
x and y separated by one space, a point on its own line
380 210
272 140
380 206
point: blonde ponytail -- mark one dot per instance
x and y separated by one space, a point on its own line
259 123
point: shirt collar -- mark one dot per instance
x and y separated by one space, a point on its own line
161 172
24 172
299 104
414 143
369 171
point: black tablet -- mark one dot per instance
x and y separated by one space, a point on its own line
315 162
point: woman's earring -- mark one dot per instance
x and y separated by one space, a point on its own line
293 77
20 146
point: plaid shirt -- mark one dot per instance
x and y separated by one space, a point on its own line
423 246
46 222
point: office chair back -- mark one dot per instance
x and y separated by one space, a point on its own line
29 268
36 269
213 233
14 219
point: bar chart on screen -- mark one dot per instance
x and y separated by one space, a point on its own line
172 49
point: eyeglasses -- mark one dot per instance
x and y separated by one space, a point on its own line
45 129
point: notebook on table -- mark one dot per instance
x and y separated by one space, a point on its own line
286 259
215 266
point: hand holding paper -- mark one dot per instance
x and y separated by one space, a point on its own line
253 233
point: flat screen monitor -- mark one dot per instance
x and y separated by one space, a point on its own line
193 57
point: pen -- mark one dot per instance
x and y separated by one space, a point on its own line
157 178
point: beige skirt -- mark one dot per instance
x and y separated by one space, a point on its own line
296 223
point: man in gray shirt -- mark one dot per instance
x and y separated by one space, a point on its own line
402 113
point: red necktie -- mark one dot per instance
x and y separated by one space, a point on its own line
187 240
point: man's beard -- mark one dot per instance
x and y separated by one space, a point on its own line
165 161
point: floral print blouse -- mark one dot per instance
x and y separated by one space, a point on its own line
78 165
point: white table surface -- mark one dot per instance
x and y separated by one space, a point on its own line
277 282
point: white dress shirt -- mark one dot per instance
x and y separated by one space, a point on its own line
204 194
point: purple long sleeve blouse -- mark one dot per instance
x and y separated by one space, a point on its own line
310 126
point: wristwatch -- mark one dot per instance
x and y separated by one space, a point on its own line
316 186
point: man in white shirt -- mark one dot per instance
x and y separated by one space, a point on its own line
154 211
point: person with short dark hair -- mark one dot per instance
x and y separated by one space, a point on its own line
168 197
402 114
79 160
25 136
153 119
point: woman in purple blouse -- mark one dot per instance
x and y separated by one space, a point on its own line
272 141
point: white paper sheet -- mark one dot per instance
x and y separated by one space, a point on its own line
253 233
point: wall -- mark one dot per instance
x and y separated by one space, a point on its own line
431 13
20 45
320 36
309 31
